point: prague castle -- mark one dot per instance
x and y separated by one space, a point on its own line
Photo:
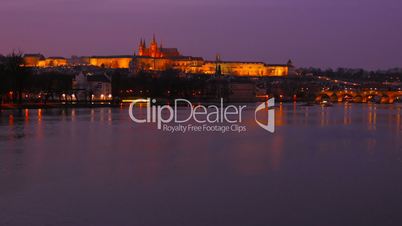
155 51
157 58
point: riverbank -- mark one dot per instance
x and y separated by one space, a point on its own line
127 102
57 105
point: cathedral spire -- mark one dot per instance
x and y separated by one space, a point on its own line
154 38
141 48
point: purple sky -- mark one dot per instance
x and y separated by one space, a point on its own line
324 33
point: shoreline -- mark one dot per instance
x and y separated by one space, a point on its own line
56 106
168 102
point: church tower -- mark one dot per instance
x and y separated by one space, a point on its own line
154 48
218 68
141 48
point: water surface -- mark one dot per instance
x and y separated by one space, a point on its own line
340 165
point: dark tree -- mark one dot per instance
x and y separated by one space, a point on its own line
17 73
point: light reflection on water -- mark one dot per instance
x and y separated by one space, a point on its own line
323 166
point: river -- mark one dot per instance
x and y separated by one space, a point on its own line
339 165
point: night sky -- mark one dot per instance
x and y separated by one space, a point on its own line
323 33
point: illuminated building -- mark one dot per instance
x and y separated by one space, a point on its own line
110 61
32 60
157 58
156 52
92 86
38 60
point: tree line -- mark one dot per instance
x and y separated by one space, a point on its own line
16 80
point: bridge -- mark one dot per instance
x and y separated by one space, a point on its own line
359 96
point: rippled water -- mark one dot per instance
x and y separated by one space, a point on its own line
340 165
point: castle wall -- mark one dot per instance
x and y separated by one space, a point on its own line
153 64
50 62
189 65
245 69
110 62
277 70
186 65
31 61
40 61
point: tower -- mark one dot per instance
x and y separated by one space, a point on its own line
141 48
218 68
154 47
290 63
161 52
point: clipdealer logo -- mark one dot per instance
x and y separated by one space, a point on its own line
270 104
212 118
